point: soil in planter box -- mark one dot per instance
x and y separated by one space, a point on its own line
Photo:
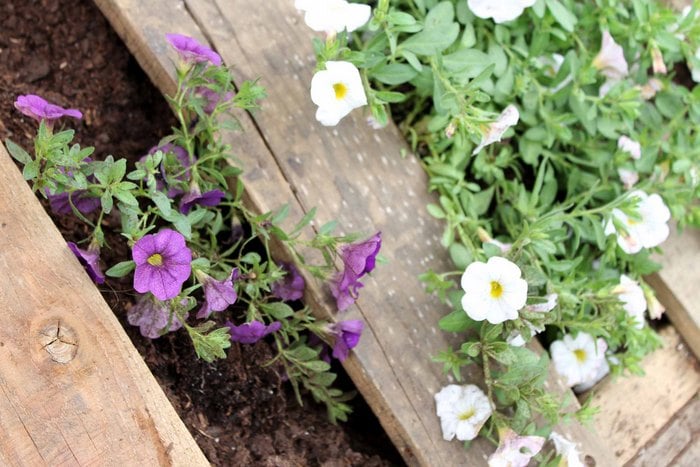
239 413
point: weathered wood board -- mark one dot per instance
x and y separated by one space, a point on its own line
73 389
350 173
634 408
677 444
677 285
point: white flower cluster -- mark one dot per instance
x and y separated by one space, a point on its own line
338 89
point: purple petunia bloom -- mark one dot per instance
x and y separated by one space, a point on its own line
60 203
152 317
90 260
347 336
218 295
208 198
162 264
358 259
213 98
191 51
250 333
291 286
39 109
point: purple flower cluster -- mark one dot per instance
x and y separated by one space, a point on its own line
40 109
250 333
291 286
191 51
358 259
90 260
162 264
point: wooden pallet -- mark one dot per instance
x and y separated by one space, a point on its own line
73 389
350 173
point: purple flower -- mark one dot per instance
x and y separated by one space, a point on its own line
192 51
39 109
213 98
90 259
347 336
358 259
208 198
291 286
60 203
250 333
162 264
218 295
152 317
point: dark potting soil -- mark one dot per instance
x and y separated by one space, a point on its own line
239 412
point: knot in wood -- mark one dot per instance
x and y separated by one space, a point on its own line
60 341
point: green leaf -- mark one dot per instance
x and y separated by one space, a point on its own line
390 96
457 321
121 269
277 310
469 63
30 170
564 17
18 153
394 73
210 346
431 42
461 256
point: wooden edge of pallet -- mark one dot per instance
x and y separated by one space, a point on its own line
351 174
73 389
634 408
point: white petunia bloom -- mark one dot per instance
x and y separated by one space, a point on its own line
494 291
463 410
501 10
656 309
658 64
579 359
603 370
333 16
632 297
508 118
514 450
336 91
628 177
630 146
648 229
567 450
611 59
649 90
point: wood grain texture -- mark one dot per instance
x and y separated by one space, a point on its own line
634 408
350 173
677 444
676 284
73 389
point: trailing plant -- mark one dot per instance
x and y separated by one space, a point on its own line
198 251
560 137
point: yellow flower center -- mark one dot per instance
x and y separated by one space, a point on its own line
340 90
155 260
580 355
467 415
496 289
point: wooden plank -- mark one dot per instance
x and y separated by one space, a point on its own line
676 284
73 389
678 444
351 174
633 409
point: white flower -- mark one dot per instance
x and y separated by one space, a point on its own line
567 450
656 309
632 297
501 10
494 291
628 177
578 360
546 306
603 370
514 450
647 230
630 146
658 64
463 410
507 119
333 15
611 59
336 91
649 90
